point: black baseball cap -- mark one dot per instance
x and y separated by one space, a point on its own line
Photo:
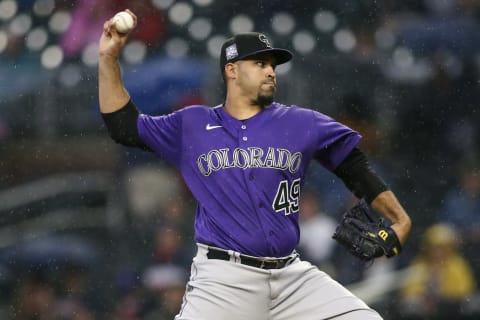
244 45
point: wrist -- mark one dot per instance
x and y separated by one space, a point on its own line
108 57
402 229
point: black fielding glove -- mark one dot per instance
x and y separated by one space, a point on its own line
365 237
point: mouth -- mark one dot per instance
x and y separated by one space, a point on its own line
270 83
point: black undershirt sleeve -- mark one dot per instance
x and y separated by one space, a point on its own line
122 126
359 177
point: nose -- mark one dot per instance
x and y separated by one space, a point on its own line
271 72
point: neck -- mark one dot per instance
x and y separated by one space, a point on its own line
240 107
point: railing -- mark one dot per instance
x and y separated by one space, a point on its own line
58 203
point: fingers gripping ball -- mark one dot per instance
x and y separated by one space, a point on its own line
365 237
123 22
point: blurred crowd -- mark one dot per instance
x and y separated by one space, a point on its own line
403 73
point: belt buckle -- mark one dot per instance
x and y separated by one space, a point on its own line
262 264
276 262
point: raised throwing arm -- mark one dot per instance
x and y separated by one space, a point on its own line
112 93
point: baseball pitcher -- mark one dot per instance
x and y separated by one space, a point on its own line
244 161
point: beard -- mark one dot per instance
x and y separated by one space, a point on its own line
265 98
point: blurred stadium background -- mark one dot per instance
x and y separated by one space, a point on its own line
93 230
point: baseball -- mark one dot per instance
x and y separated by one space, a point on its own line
123 22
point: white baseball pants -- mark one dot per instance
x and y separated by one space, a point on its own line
226 290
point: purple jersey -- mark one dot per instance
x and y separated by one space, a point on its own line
247 175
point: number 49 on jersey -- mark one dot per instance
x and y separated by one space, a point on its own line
288 197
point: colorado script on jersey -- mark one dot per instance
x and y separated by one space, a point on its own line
252 157
239 170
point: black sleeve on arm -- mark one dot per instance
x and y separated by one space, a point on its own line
359 177
122 126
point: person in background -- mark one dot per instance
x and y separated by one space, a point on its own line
439 279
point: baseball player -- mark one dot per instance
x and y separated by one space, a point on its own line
244 161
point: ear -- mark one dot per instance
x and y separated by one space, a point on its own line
230 71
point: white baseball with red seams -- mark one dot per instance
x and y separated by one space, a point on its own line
123 22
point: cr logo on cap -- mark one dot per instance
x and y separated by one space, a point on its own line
264 39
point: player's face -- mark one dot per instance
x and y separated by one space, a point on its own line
257 78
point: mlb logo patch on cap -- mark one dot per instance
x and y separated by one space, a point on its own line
231 52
